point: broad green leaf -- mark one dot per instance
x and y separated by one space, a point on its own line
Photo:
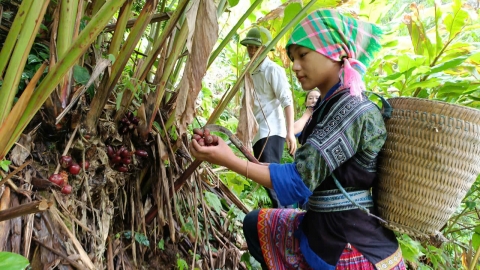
453 89
475 58
424 93
213 201
471 204
430 83
81 74
410 249
233 3
393 76
161 244
455 21
234 181
449 64
111 57
476 238
118 101
142 239
4 164
290 12
189 226
407 62
12 261
391 43
374 11
181 263
31 59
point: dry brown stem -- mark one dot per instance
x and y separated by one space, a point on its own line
25 209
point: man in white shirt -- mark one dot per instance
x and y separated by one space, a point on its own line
273 106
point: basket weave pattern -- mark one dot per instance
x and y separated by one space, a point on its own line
430 160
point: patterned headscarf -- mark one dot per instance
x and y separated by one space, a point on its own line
340 38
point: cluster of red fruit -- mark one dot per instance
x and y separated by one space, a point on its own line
204 138
122 157
61 179
128 123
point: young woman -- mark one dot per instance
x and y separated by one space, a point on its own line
310 101
329 51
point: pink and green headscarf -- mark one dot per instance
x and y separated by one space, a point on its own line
340 38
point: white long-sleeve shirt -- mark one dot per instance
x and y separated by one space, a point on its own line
272 95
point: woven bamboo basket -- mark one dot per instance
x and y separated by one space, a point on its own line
428 163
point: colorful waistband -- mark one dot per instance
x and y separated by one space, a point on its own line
334 200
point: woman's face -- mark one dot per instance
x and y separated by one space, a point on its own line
313 69
312 98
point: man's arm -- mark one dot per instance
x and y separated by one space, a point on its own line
290 139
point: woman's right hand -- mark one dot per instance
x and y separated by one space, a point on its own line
219 154
309 111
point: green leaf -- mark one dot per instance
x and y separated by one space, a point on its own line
31 59
453 89
455 21
81 74
476 241
127 234
475 58
111 57
4 164
142 239
407 62
411 249
161 244
181 263
471 204
233 3
189 227
290 12
430 83
213 201
118 101
449 64
12 261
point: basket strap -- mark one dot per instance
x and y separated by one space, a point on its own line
363 209
386 107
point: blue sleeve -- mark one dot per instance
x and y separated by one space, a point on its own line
288 184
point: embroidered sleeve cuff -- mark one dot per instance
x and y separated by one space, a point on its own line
288 184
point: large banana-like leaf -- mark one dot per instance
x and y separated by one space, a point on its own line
203 33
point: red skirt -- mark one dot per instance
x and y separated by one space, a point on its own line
281 250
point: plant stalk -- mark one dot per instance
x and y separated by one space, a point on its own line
25 209
19 57
56 73
101 97
13 34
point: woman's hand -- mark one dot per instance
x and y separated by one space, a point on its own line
219 154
